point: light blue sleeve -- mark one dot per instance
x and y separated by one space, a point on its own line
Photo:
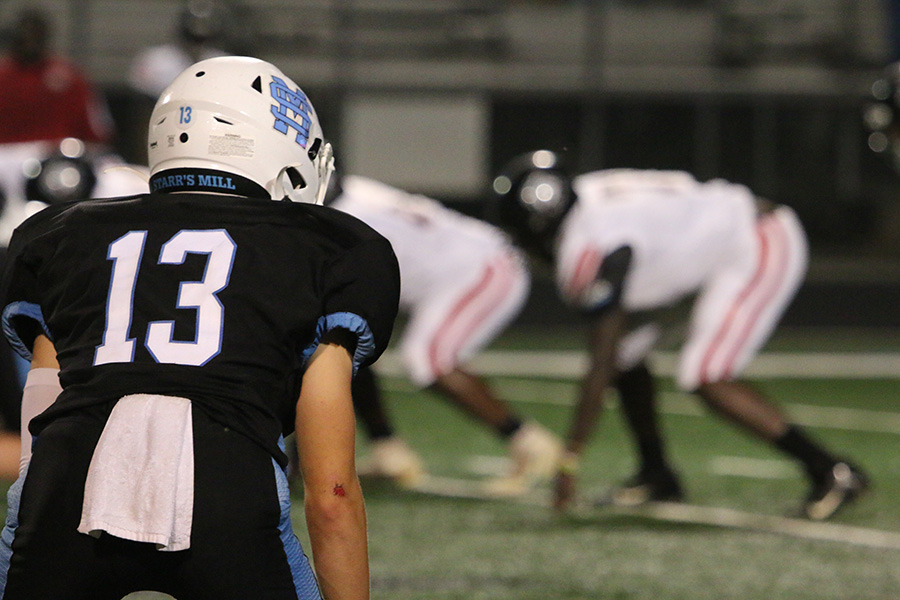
19 310
365 341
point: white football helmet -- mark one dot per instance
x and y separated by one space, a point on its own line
230 122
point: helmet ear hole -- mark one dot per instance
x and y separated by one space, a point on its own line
314 148
296 178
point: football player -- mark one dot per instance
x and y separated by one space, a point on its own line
462 283
203 26
64 175
630 245
164 331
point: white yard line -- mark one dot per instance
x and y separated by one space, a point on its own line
572 363
724 517
687 513
753 468
827 417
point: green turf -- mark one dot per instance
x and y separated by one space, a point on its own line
426 547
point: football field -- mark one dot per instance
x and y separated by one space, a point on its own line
734 538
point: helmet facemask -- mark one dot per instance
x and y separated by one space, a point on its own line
291 184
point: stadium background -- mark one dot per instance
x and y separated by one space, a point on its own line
434 96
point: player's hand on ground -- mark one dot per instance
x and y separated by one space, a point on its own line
564 490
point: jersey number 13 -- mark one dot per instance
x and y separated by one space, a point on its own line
125 254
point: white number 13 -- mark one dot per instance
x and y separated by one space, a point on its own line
126 253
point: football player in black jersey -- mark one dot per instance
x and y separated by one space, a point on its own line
164 332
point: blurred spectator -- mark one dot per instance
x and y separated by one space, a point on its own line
203 26
44 99
202 31
43 96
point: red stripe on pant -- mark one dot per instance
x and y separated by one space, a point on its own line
483 298
753 299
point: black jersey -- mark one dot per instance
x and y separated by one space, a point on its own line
216 299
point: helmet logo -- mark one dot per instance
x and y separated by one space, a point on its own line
294 101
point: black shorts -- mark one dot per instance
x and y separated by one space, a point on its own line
241 542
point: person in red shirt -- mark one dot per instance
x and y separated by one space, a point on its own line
43 96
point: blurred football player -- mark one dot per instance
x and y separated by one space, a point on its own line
628 245
164 332
44 97
58 173
462 283
202 30
64 175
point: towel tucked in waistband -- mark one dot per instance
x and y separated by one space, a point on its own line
140 484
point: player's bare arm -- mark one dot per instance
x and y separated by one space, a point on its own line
605 334
335 511
44 354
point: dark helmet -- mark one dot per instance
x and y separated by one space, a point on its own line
204 21
881 115
534 194
64 176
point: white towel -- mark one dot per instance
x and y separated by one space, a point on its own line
140 484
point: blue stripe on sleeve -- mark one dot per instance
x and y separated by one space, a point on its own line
22 309
365 341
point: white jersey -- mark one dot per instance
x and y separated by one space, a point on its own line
435 246
686 238
114 178
680 232
461 280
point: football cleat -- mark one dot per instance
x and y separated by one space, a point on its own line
534 454
648 486
391 458
843 484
